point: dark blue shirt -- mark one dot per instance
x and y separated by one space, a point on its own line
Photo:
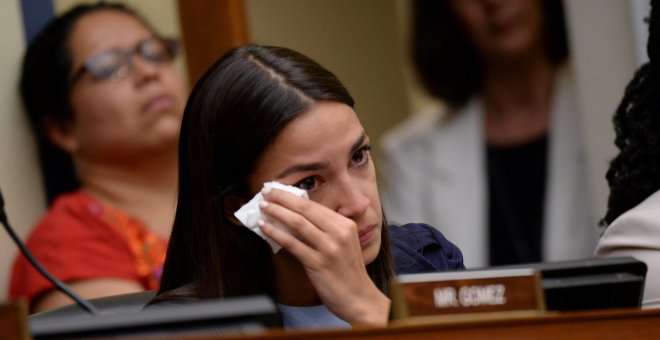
419 248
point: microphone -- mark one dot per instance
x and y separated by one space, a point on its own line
61 286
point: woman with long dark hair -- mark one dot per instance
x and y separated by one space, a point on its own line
263 114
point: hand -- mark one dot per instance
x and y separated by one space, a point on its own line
327 245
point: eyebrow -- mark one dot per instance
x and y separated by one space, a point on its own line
320 165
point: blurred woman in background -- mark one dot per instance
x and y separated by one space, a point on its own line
501 171
105 102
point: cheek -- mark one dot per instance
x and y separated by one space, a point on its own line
100 107
469 16
375 204
176 86
369 254
371 188
534 23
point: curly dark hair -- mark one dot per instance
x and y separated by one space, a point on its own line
634 174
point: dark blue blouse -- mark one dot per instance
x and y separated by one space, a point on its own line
419 248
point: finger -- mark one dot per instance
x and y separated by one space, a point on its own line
335 227
316 213
296 224
287 241
329 246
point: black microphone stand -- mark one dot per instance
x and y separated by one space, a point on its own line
88 307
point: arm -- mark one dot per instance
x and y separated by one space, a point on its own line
76 246
637 233
87 289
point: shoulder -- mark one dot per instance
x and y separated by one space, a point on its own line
77 228
639 227
643 218
418 247
70 216
70 203
418 236
432 126
636 233
413 128
74 244
414 233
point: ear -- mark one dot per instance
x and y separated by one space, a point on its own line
62 135
230 204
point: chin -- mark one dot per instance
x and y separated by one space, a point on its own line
371 251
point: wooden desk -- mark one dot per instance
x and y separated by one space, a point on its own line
602 324
13 321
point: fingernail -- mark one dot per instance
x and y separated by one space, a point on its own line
261 223
265 191
263 204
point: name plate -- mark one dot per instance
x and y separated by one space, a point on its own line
466 292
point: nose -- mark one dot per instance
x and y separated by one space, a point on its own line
143 70
352 201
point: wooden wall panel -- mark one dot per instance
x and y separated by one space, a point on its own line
210 28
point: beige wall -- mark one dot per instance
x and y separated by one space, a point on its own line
19 176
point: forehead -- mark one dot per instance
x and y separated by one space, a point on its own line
324 134
483 8
326 125
105 29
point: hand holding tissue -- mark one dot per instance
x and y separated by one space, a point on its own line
250 214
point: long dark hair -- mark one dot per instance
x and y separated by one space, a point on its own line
446 62
45 91
634 174
234 113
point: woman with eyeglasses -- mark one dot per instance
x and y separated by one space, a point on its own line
105 102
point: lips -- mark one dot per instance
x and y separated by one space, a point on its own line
365 235
158 103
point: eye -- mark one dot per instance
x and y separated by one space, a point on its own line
105 64
361 156
157 50
307 183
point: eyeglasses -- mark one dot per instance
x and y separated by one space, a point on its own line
117 64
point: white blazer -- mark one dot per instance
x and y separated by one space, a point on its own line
435 173
637 233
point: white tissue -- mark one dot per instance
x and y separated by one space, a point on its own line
250 214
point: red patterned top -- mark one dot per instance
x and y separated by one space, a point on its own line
82 238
